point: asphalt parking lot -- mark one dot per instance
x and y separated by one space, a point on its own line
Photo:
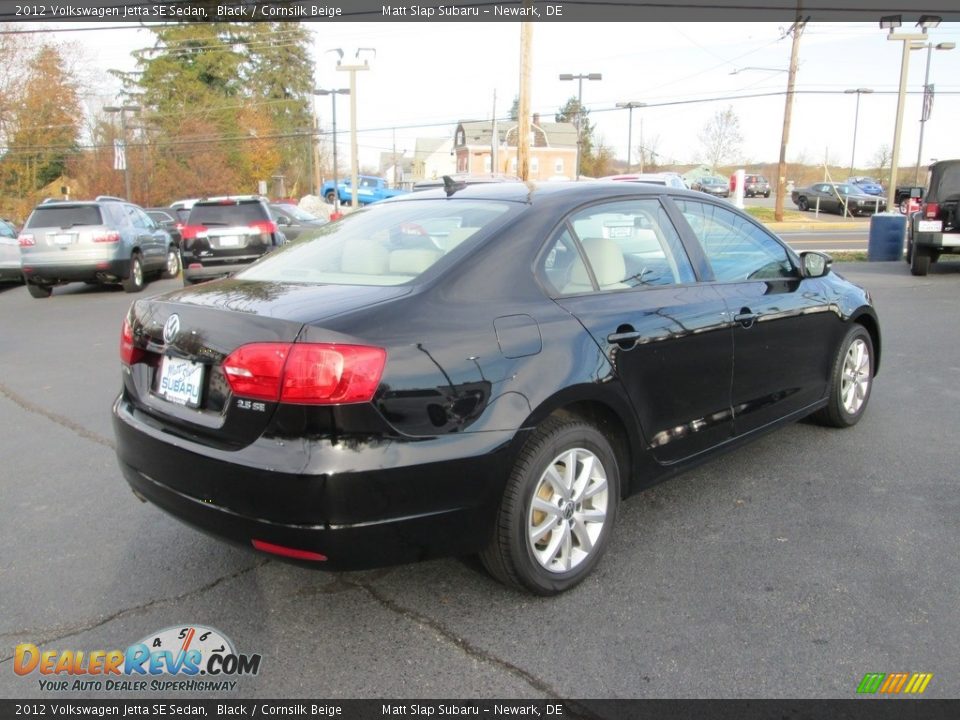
789 568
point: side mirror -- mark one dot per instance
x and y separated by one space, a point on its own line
815 264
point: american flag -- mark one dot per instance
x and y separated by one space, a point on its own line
927 102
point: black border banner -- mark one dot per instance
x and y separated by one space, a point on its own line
160 11
852 709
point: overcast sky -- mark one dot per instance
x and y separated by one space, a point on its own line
430 75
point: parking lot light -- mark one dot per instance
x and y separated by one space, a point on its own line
927 95
856 118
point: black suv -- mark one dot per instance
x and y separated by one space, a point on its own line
223 235
935 229
755 185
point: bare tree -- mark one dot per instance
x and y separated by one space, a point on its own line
721 138
881 160
649 154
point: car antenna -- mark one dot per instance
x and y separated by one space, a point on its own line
450 186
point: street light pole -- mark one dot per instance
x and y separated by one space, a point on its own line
123 110
580 79
856 118
630 106
336 182
925 113
891 23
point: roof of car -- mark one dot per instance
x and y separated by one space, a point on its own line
530 192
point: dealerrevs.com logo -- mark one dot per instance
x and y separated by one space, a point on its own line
187 658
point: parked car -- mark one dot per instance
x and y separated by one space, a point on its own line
185 204
867 185
97 242
170 220
840 198
667 179
223 235
9 254
370 189
935 229
713 185
379 395
754 185
293 221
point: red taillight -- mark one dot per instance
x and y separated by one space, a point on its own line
265 227
26 240
179 227
305 373
107 237
931 210
129 353
188 232
289 552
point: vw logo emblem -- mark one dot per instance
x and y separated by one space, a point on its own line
170 328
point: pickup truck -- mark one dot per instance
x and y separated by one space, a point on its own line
370 190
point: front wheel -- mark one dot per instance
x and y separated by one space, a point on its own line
850 381
330 197
557 510
803 204
766 194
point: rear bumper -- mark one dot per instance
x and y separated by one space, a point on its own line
211 272
388 502
76 271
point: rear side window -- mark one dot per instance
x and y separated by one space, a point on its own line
65 216
627 244
228 214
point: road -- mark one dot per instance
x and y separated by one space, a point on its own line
786 569
827 240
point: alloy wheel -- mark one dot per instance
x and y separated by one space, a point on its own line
855 380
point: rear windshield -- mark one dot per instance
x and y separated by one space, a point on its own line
382 245
227 214
64 216
949 185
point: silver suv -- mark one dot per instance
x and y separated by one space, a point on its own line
101 241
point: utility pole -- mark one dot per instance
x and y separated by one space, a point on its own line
354 160
630 106
796 30
523 109
494 139
580 78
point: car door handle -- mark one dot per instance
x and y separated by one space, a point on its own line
745 317
625 336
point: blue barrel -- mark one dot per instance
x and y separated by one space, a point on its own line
887 231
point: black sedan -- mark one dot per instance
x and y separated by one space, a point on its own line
490 371
713 185
842 198
293 221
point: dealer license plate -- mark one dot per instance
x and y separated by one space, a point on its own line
228 241
180 381
63 239
930 226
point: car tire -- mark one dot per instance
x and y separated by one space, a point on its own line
767 194
172 268
802 204
134 280
908 255
553 525
850 381
39 291
330 197
919 261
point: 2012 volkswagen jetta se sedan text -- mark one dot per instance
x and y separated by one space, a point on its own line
483 369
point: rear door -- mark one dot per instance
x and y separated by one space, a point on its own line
622 271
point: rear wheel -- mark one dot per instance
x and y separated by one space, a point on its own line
558 509
39 291
173 263
331 197
850 381
766 194
803 204
919 261
134 281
